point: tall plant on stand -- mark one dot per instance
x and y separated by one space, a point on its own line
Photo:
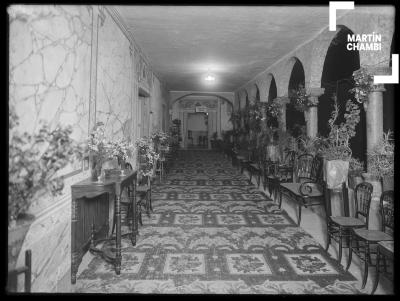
381 161
337 152
159 138
147 156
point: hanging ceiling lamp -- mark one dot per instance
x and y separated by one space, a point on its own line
210 77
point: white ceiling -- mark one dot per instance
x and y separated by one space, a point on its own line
235 42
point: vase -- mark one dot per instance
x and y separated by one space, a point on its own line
98 170
93 173
335 173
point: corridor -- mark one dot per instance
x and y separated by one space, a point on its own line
212 232
214 108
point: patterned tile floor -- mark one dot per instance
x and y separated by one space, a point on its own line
212 232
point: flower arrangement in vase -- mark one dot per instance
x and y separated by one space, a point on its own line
99 149
147 156
122 150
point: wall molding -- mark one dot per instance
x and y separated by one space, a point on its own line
128 34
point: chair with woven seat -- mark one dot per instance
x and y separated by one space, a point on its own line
309 190
384 251
338 227
366 238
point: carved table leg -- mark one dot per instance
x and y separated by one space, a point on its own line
74 267
135 219
118 256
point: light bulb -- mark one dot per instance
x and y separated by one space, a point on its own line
210 78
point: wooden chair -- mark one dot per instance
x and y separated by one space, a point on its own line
280 172
12 281
143 191
366 238
243 159
190 138
384 251
255 166
160 166
310 191
339 227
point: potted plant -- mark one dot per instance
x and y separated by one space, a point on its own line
337 152
381 162
356 169
301 100
34 164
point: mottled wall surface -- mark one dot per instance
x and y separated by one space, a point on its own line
114 76
52 63
50 48
157 100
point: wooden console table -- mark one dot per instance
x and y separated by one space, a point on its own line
90 217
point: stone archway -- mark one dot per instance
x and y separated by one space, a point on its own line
336 79
217 111
295 121
272 94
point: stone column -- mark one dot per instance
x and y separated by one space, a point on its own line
374 116
264 118
311 114
283 100
374 121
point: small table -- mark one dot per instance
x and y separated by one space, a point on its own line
89 210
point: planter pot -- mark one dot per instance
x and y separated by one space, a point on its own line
273 152
388 183
16 237
354 180
335 173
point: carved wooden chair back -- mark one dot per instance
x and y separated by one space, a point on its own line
304 166
387 210
289 158
363 196
316 174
